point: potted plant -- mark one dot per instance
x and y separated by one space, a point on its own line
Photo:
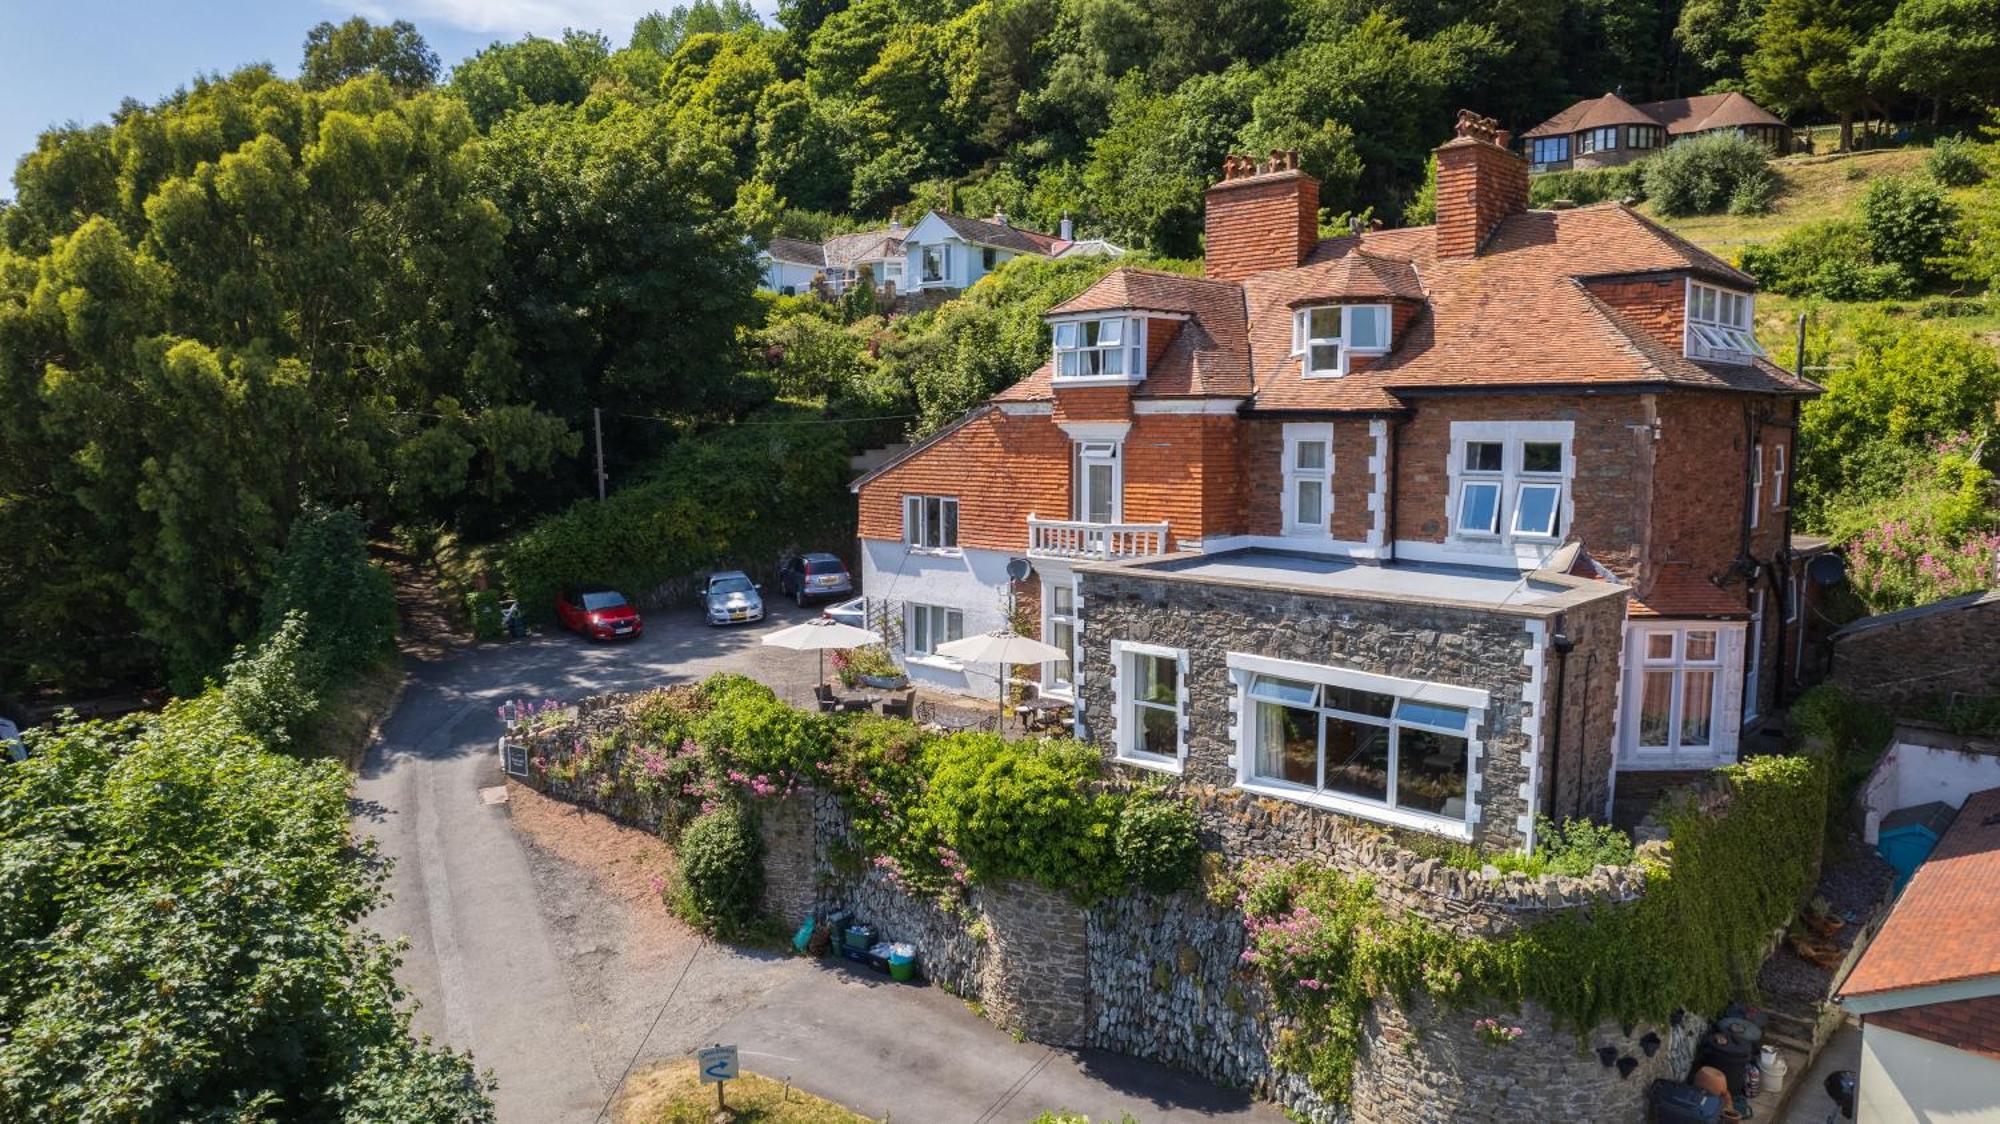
872 666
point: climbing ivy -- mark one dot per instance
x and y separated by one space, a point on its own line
1743 852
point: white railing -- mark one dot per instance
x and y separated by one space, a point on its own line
1070 538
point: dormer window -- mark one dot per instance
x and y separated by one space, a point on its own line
1719 325
1107 348
1323 338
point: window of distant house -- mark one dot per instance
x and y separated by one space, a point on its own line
930 522
1108 347
1358 745
1641 136
1510 480
1550 150
1308 477
1324 338
1719 324
1597 140
1150 703
937 264
988 258
931 625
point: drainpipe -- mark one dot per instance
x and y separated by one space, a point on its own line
1784 563
1561 644
1389 483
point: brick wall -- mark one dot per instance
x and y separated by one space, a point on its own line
1479 183
1898 658
1258 223
1657 304
1264 478
1093 403
1174 464
1609 489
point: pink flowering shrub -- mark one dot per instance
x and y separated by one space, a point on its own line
1493 1032
1912 561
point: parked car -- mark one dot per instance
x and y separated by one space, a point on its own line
730 597
812 577
853 611
597 612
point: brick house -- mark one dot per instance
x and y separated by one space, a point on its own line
1609 131
1927 988
1438 527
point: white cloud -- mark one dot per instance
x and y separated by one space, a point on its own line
511 18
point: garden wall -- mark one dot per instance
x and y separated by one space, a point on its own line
1163 976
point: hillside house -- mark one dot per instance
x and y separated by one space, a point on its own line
1434 526
1608 131
942 253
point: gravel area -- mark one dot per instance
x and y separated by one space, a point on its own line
1854 882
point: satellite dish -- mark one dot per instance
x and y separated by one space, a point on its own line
1827 569
1018 569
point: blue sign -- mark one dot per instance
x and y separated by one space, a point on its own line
717 1063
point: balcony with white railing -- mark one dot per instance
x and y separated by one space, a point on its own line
1094 542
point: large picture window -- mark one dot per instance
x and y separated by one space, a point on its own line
1399 752
931 625
1720 324
1150 693
1549 150
936 264
1324 338
931 522
1680 671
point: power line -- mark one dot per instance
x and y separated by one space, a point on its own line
657 1016
748 424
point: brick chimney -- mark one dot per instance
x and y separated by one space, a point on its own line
1479 183
1263 215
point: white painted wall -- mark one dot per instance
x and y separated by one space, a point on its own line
1912 772
778 274
971 581
1906 1080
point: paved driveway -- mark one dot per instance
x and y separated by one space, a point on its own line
556 987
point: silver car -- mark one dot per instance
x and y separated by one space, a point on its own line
730 597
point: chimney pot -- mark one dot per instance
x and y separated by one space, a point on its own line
1263 215
1066 232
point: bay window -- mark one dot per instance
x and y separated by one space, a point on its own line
1324 337
1107 347
1679 672
1598 140
930 522
1719 325
931 625
1307 501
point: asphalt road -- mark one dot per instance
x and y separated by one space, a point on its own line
557 989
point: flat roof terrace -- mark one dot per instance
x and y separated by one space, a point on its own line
1426 583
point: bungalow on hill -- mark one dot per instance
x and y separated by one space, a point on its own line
1439 527
942 253
1609 131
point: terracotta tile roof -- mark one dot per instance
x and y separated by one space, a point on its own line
796 250
1678 591
1515 315
1680 116
986 233
1946 926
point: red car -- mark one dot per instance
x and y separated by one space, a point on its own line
597 612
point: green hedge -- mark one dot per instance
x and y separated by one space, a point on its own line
735 497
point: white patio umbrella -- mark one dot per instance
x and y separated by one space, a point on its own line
822 635
1002 647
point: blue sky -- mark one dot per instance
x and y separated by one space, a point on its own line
75 60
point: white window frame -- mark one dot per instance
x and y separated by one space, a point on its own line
1510 480
1087 454
1725 699
1303 341
1068 339
1125 655
1245 668
916 523
1778 500
1305 433
922 639
1721 324
943 251
1059 676
1756 483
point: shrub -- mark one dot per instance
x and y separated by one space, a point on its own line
721 870
483 606
1158 842
1707 174
348 602
759 733
1908 223
1023 810
1577 847
273 690
1954 161
1584 186
1829 259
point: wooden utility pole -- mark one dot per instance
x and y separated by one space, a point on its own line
597 423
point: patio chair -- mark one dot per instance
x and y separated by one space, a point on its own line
823 695
900 706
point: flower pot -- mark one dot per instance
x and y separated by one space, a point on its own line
886 682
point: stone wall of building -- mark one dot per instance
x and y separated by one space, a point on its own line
1933 650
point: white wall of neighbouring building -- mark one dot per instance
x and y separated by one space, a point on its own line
1910 1080
1923 765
